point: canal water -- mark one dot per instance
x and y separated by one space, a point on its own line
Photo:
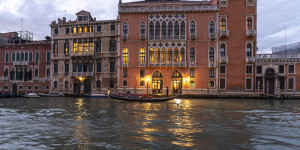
93 123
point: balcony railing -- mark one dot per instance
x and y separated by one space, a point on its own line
143 36
75 54
224 33
125 36
212 36
250 33
151 37
224 60
193 36
142 63
192 63
274 56
167 63
82 74
20 63
35 78
250 59
212 64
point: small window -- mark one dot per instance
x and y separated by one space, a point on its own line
223 3
99 28
281 82
56 68
223 24
259 69
125 83
193 27
291 83
66 48
29 87
142 83
36 87
211 84
112 66
192 73
37 56
192 84
249 23
125 28
112 27
55 30
48 59
125 73
281 69
143 28
47 87
99 67
211 73
67 30
222 83
222 69
55 48
21 87
248 84
142 73
248 69
250 3
66 67
223 50
291 69
5 87
249 50
7 57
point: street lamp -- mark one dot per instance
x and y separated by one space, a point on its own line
186 80
147 85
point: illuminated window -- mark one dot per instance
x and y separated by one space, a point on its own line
142 56
91 29
223 24
192 83
55 48
151 55
211 84
249 23
66 48
182 55
157 56
176 55
125 57
80 30
164 55
142 83
85 29
75 45
74 30
169 56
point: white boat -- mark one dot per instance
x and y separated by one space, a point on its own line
32 95
51 94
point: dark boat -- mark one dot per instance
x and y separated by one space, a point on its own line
141 99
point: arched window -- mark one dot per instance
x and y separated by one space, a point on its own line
36 72
125 83
170 30
30 75
176 74
163 56
18 56
157 30
21 75
151 55
12 74
125 28
55 85
6 72
249 50
26 56
22 56
142 56
48 72
192 56
211 55
212 28
176 54
157 56
17 74
164 30
125 56
169 55
176 30
223 50
143 28
193 27
66 84
182 30
182 55
151 29
13 56
25 75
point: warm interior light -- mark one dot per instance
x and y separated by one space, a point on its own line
148 79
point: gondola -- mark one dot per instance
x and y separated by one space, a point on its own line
124 98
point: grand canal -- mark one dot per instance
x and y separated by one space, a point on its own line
91 123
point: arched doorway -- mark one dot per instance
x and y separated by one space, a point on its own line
87 86
77 86
14 89
176 82
111 84
270 81
157 82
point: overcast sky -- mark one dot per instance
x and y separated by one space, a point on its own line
274 16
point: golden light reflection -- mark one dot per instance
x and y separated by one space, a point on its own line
81 128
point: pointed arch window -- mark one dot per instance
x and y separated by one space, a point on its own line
182 30
13 56
17 74
170 55
176 54
36 72
143 28
22 56
164 30
170 30
249 50
212 28
6 72
223 50
6 57
157 30
193 27
125 28
151 30
157 56
163 56
151 56
12 74
176 30
211 55
192 56
18 56
182 55
30 74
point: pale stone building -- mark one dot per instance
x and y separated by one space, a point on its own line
84 55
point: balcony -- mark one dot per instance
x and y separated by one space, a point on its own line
223 60
224 33
47 78
143 36
5 78
212 36
250 59
192 63
212 64
250 33
85 54
20 63
193 36
82 74
142 63
35 78
125 36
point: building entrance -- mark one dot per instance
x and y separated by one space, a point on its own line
87 86
176 82
270 81
77 86
14 89
157 83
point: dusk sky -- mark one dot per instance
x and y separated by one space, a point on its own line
273 17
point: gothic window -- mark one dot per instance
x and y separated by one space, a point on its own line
125 28
6 72
211 55
143 28
192 55
157 30
212 28
30 75
13 56
169 55
176 55
151 29
157 55
163 55
182 55
164 30
182 30
170 30
12 74
176 29
249 50
125 57
151 55
223 50
142 56
193 27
